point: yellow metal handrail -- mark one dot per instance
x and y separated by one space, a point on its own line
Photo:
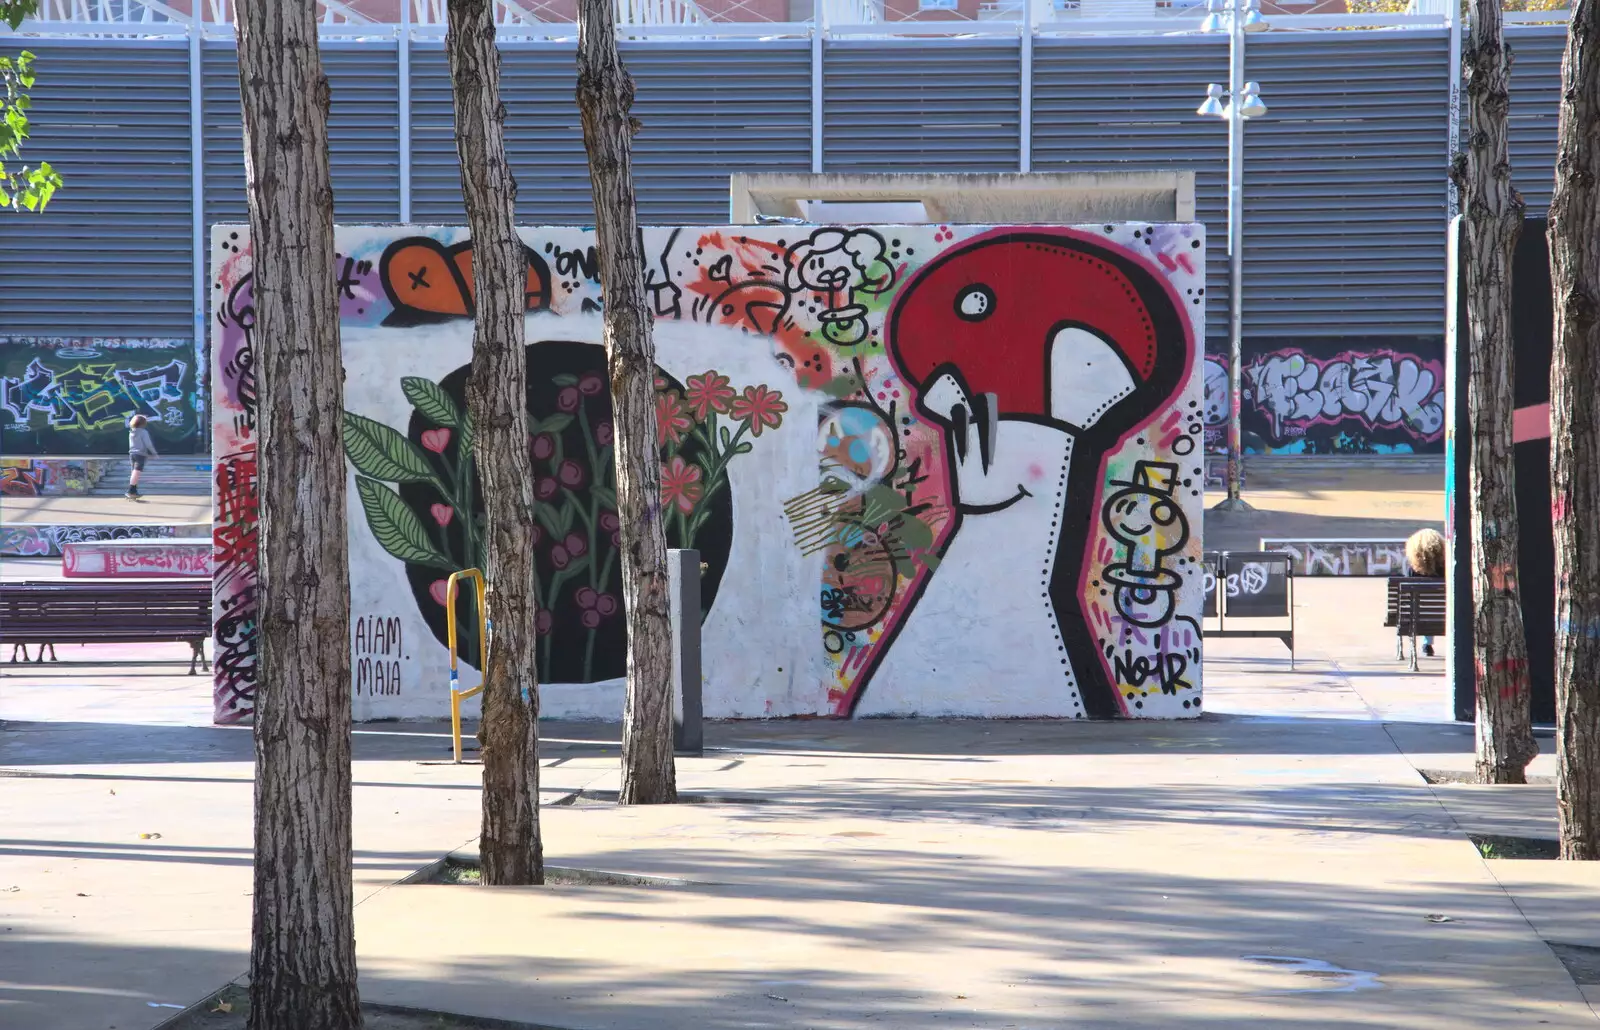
457 695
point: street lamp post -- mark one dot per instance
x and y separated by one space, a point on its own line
1235 105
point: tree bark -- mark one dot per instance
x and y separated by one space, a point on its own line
1575 435
497 409
605 94
302 953
1494 213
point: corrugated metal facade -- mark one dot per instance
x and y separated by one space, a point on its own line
1345 193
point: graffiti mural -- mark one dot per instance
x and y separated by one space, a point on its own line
881 440
44 541
1333 395
122 559
1343 557
38 477
74 396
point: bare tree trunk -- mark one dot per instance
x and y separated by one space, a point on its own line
497 409
1493 221
302 952
605 93
1575 435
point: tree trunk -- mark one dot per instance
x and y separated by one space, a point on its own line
605 93
302 953
1575 435
497 411
1493 221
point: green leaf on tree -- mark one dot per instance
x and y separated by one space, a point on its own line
379 451
396 527
429 398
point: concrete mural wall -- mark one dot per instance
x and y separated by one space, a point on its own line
45 541
73 396
1333 395
39 477
932 470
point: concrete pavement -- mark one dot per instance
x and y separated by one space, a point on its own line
1279 864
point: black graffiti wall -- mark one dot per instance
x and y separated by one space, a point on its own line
1333 395
1532 323
74 396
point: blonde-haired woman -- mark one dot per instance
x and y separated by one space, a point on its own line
1425 557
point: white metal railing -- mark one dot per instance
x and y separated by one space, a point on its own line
709 18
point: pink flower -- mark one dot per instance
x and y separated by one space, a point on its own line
576 545
545 489
544 445
536 536
761 407
608 520
680 484
591 384
585 597
439 590
708 392
604 434
590 619
570 473
442 513
543 622
567 399
605 604
436 440
671 420
559 557
616 538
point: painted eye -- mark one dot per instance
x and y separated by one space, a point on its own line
975 303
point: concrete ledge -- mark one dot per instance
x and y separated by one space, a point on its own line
45 540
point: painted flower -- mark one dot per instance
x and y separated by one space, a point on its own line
609 521
442 513
544 445
616 539
559 557
439 589
567 399
570 473
576 545
545 489
671 420
536 536
761 407
543 623
606 605
707 393
585 597
591 384
436 440
604 434
590 619
680 484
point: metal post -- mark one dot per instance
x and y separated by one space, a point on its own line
1235 258
403 59
197 188
819 28
683 579
1025 131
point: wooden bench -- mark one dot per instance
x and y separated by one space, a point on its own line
1416 606
46 613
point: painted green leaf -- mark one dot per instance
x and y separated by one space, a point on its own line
555 423
547 518
396 527
605 495
378 451
565 379
429 398
464 448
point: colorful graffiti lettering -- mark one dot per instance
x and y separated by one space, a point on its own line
964 461
123 559
45 541
37 477
1333 396
69 396
1343 557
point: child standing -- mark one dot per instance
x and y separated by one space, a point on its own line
140 447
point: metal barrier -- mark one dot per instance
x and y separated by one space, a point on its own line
457 695
1249 585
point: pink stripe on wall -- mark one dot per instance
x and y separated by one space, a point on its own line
1530 423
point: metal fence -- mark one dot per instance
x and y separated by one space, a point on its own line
1345 187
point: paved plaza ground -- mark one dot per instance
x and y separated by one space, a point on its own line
1279 863
1282 862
